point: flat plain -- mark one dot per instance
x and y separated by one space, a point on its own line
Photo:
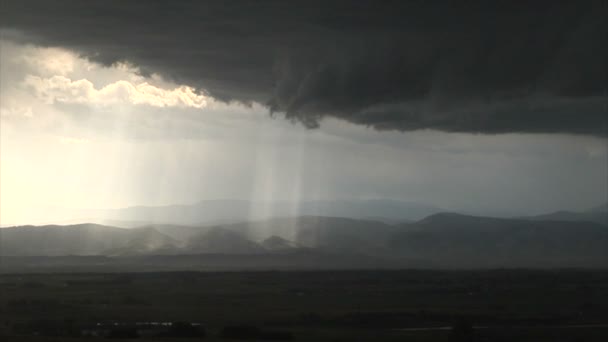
414 305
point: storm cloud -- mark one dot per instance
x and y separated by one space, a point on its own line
483 67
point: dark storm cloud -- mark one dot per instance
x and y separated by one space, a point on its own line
486 67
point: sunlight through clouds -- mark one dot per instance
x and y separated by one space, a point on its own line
78 134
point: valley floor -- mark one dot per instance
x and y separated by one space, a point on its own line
499 305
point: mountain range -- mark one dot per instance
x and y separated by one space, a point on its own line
210 212
446 240
596 215
467 241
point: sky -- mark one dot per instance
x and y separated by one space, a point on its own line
484 108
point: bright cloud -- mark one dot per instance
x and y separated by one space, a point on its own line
72 141
65 90
53 61
24 111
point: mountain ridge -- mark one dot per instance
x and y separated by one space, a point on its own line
448 239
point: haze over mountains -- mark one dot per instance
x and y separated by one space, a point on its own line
562 215
222 211
596 214
438 240
209 212
213 212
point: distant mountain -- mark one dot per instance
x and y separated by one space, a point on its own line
341 234
441 240
600 208
180 233
278 244
468 241
215 212
204 212
336 234
596 215
81 239
146 241
222 241
385 209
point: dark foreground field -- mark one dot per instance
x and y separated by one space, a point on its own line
500 305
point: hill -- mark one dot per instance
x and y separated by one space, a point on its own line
222 241
80 239
146 241
596 215
335 234
278 244
455 240
53 240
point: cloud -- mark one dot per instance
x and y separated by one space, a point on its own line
64 90
483 67
52 61
25 111
72 140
